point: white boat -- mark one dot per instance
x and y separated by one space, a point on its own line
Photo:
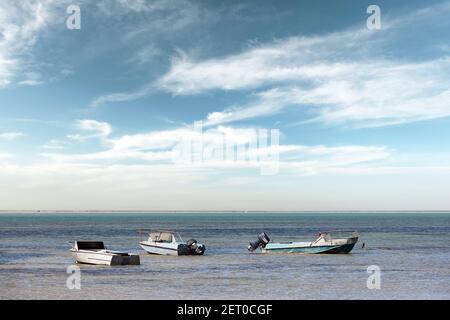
325 242
164 242
94 252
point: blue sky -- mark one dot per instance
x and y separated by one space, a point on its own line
89 118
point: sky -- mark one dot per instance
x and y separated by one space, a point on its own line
140 107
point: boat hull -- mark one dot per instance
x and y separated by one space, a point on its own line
107 259
346 248
159 249
168 249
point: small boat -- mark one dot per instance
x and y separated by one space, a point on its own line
164 242
94 252
325 242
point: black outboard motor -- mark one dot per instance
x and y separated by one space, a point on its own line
195 247
263 240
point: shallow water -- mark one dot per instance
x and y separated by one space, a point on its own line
411 249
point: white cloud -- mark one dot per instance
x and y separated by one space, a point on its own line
102 128
365 93
92 129
150 146
281 61
339 76
10 136
160 147
294 159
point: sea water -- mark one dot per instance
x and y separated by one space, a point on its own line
411 250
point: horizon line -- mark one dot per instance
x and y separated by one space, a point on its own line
205 211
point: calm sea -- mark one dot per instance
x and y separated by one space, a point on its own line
412 251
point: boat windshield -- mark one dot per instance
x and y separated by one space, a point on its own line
90 245
161 236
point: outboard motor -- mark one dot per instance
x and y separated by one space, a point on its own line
263 240
195 247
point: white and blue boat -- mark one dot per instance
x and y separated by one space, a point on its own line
340 241
163 242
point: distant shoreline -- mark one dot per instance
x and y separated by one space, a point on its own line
224 211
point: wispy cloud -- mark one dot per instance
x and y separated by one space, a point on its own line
379 94
31 79
34 121
155 149
149 146
154 23
339 76
121 96
162 17
21 25
160 147
145 55
54 144
10 136
284 61
259 107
